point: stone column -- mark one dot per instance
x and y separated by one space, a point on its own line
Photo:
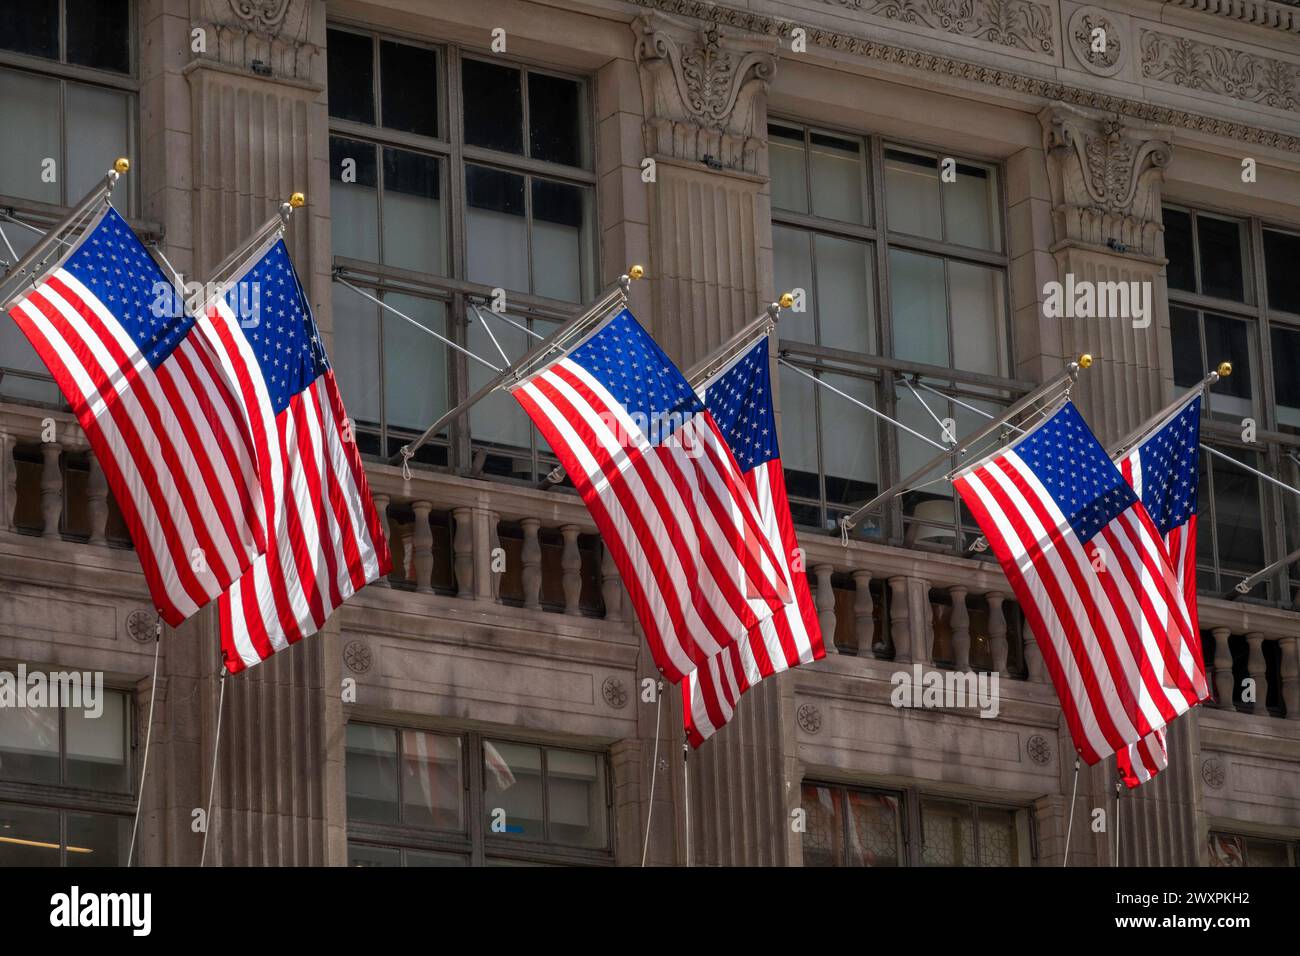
8 482
96 500
1290 674
462 550
960 629
824 599
1223 684
571 565
422 546
864 613
998 632
899 629
1257 671
530 557
51 489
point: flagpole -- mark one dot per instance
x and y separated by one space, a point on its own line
280 222
553 342
1119 792
1247 583
686 796
1069 829
102 191
1134 437
212 779
1070 373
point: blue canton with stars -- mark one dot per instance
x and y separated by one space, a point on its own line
636 372
740 401
112 264
1071 464
1170 473
274 316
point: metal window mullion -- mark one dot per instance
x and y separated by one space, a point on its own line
376 90
459 451
891 524
1196 252
63 31
475 805
546 809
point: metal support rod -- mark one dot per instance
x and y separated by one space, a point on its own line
469 300
967 406
1150 425
1070 373
279 222
1247 583
861 404
943 429
552 343
1245 467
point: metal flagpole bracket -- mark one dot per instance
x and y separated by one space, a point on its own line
276 224
1247 584
1137 434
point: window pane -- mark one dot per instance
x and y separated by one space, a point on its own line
787 159
99 34
1226 850
1229 339
494 109
497 419
28 836
512 781
29 744
970 208
849 442
414 229
1221 242
798 440
97 839
1281 256
495 228
978 309
351 76
949 834
99 124
845 303
373 856
1181 270
838 177
561 265
1286 377
999 839
425 858
433 782
1185 333
372 774
1266 853
792 266
354 207
555 127
920 312
823 841
1239 525
408 88
356 354
97 747
575 798
415 363
875 833
31 104
31 26
912 194
15 351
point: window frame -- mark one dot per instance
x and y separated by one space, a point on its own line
1290 843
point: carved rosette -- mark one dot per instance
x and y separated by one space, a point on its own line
1096 40
260 35
703 91
1105 177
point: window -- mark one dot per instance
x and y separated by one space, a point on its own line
917 287
849 826
1233 297
66 784
1230 849
423 798
453 175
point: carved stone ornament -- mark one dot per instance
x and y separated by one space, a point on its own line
1097 42
1039 749
266 37
1015 24
142 625
1105 177
703 91
810 718
1210 68
1214 773
357 656
615 692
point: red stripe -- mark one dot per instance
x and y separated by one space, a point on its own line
353 457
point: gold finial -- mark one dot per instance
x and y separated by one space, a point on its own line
636 272
297 200
1085 360
1224 369
786 300
121 165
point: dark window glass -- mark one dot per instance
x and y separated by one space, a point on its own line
1221 260
1185 332
97 839
1227 339
494 109
408 83
494 189
1282 267
372 774
554 119
31 26
362 153
29 744
31 836
351 76
1239 527
1178 248
1286 377
99 34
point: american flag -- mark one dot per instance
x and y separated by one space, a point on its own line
161 416
663 489
1091 573
326 542
740 399
1163 470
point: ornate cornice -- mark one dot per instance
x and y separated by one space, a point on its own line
1047 90
1015 24
1283 15
1225 71
266 37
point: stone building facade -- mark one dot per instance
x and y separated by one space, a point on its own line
920 169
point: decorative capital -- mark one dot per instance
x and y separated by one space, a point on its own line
704 90
1105 177
265 37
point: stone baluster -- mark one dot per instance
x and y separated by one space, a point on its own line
8 482
1257 670
998 632
51 489
1223 685
496 555
824 599
960 624
1033 656
571 565
1290 673
96 500
864 613
422 547
900 632
462 550
530 559
611 585
381 509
